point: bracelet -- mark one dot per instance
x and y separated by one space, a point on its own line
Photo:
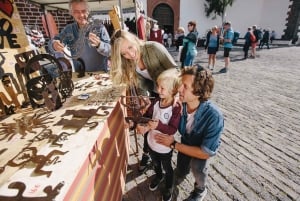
172 145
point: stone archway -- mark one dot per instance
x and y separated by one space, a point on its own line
164 14
156 5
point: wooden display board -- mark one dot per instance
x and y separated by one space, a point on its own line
13 39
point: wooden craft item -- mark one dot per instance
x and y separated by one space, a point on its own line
40 86
10 90
66 85
24 124
29 154
87 113
76 124
135 104
50 192
54 139
22 59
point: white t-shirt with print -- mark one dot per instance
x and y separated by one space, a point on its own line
164 114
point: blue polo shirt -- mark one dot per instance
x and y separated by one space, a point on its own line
229 35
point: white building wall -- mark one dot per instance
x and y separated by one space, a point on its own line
244 13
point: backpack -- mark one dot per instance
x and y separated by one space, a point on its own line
236 36
259 34
252 37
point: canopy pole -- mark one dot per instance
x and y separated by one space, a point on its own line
121 14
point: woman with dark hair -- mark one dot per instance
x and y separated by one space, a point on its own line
189 50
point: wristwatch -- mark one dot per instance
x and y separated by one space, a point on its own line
172 145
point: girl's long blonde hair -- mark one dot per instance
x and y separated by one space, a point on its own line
122 69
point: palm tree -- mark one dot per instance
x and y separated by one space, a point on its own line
217 7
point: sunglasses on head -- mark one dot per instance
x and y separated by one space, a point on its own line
203 72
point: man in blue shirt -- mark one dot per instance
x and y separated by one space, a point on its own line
201 126
88 43
227 41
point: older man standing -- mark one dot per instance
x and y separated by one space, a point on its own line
227 42
92 44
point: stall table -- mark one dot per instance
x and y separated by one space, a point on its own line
78 152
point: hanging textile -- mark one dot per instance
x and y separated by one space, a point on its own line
141 28
49 25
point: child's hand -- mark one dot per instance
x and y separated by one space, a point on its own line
142 129
153 124
145 103
128 124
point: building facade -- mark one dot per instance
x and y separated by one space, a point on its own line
282 16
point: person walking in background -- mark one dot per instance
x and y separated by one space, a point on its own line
201 125
95 49
227 42
165 115
273 36
138 63
170 40
189 50
256 33
179 37
156 34
212 46
247 43
165 38
265 39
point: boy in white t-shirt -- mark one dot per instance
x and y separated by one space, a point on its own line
165 117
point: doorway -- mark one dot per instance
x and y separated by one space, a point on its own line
164 15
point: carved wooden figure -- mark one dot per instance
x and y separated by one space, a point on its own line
10 90
30 154
54 139
51 193
24 124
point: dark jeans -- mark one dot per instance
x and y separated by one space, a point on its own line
163 160
246 49
146 146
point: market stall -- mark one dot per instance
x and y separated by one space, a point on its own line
77 152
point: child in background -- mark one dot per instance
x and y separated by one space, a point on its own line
165 117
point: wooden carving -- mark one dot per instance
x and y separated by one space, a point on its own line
25 124
51 193
54 139
29 154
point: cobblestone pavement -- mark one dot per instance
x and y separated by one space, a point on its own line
259 158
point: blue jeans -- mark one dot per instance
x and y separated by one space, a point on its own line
189 59
198 167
